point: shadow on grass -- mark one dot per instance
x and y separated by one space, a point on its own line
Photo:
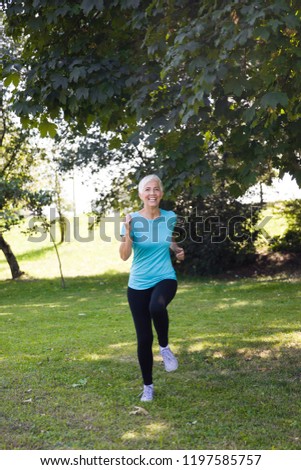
31 255
35 254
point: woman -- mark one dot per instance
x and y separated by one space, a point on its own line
152 282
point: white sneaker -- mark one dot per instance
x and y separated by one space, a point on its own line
148 393
170 361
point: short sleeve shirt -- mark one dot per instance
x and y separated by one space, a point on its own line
151 241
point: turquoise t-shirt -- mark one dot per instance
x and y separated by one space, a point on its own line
151 241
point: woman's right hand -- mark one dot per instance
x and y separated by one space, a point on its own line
125 248
127 223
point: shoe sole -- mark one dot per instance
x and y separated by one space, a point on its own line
171 369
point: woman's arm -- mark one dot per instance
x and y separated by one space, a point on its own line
125 249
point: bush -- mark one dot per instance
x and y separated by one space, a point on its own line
217 233
289 242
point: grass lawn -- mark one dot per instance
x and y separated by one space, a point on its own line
69 373
70 378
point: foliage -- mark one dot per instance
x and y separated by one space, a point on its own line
18 152
190 79
290 241
217 233
17 158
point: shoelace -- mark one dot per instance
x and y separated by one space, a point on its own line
167 354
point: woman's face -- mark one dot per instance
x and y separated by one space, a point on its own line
151 194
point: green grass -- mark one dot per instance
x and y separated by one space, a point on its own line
69 373
272 223
70 377
36 254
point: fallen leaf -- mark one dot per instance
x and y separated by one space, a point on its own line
139 411
81 383
29 400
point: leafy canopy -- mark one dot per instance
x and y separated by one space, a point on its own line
197 81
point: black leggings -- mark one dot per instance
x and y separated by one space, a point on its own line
147 305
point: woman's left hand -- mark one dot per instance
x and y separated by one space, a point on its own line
180 254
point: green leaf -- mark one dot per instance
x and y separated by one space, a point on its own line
274 23
25 121
13 78
249 114
274 98
88 5
76 73
262 33
243 37
129 4
47 128
81 383
52 130
59 82
115 143
180 38
82 93
234 86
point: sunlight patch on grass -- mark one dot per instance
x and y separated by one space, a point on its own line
218 355
125 358
158 357
130 435
250 354
292 339
184 289
154 428
121 345
282 339
266 354
149 432
197 347
243 303
94 357
39 305
226 304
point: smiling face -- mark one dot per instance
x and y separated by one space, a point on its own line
151 194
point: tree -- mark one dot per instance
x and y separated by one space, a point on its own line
17 193
189 78
18 156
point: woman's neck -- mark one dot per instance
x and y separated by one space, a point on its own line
150 212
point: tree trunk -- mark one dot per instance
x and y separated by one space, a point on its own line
10 258
62 224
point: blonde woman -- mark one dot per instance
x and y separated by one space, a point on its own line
152 281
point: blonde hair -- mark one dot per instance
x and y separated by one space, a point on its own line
147 179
